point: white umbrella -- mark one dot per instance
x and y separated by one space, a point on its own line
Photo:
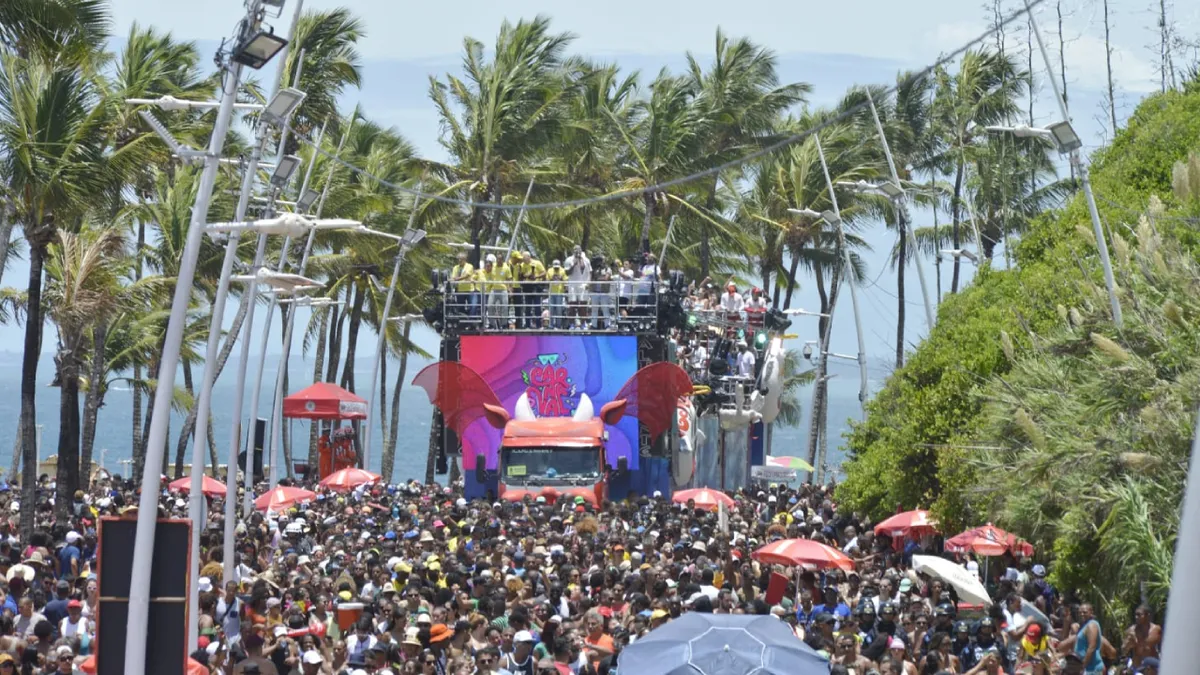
968 586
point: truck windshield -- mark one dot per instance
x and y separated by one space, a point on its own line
543 466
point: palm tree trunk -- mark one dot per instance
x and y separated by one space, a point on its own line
29 365
16 452
318 366
901 263
181 447
434 437
391 434
648 202
94 398
6 228
955 208
787 299
213 461
67 479
356 314
335 345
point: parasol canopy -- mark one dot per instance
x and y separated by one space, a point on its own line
790 463
806 553
969 588
347 479
699 643
706 498
907 524
987 540
324 401
210 486
283 497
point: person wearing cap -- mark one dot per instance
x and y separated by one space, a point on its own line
557 276
64 662
601 289
521 660
985 644
1148 666
745 360
496 278
75 624
732 302
462 280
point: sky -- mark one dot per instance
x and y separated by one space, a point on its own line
830 45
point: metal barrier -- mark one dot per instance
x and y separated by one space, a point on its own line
533 306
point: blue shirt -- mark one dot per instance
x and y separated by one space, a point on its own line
65 556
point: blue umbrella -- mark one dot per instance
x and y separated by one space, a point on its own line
698 643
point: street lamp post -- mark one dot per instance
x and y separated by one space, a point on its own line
1068 140
143 553
248 476
900 200
409 239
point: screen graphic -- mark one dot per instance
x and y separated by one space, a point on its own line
554 370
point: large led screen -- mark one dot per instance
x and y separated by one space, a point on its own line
554 370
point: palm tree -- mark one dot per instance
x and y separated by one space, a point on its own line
53 154
983 91
743 100
1014 181
503 116
328 41
82 286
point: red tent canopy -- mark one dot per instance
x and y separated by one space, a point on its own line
325 401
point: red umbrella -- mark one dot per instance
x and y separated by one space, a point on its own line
987 540
347 479
706 498
283 497
211 487
806 553
324 401
907 524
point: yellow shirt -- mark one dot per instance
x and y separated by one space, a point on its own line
466 271
496 279
557 274
530 271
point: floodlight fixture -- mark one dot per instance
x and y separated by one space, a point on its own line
411 238
306 200
282 105
802 312
284 170
805 212
259 48
831 218
1065 137
960 253
273 3
892 190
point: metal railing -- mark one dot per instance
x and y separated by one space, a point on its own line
527 306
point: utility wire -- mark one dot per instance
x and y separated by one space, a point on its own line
621 194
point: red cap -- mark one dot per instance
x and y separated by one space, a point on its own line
74 604
202 642
1034 631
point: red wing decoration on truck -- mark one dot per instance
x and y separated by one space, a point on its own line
461 394
651 395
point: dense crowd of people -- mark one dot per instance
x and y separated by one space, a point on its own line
411 578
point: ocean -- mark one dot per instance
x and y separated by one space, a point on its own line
114 426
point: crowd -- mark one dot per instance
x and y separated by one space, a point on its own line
390 580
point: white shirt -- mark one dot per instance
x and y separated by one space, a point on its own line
625 285
579 268
757 303
746 363
68 629
732 302
699 356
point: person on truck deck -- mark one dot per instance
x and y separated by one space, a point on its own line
496 277
558 293
462 276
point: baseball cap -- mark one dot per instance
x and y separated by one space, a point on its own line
313 657
1149 662
523 636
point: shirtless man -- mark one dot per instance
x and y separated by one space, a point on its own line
1144 637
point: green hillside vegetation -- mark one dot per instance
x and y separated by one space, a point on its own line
1027 407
